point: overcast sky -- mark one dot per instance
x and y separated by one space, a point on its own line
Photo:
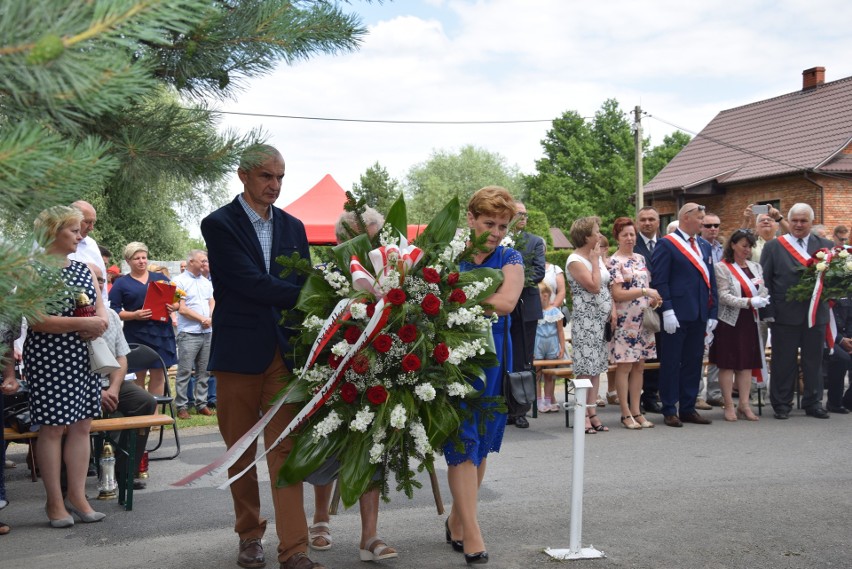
499 60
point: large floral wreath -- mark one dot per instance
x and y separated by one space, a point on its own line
392 336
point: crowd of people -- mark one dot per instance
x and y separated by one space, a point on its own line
723 301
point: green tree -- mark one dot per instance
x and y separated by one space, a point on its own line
445 175
662 154
377 188
103 100
586 169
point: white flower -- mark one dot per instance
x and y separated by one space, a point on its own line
313 323
336 279
362 420
457 389
820 255
465 351
421 440
425 391
843 253
389 281
474 289
358 311
328 425
454 249
849 266
821 266
507 241
461 316
379 435
340 348
376 452
398 417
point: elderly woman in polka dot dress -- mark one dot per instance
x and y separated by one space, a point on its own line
64 393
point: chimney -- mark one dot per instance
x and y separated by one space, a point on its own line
813 77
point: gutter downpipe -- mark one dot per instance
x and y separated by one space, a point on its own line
821 196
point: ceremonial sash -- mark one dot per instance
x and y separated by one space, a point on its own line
693 257
749 290
799 253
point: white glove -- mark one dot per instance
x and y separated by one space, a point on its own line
670 323
711 325
708 338
759 301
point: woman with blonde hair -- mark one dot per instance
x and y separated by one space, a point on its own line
589 280
127 297
65 395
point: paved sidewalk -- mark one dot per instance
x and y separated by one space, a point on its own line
772 494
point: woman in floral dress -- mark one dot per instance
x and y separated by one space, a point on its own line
631 343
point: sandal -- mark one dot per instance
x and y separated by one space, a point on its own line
319 536
600 427
643 422
377 550
632 425
4 528
591 430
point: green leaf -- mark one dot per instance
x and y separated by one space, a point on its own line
443 226
358 246
356 472
307 455
440 421
397 216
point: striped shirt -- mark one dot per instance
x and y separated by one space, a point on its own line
262 227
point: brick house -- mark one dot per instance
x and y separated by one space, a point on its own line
792 148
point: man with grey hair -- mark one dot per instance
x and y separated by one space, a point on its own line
194 332
347 227
782 261
88 250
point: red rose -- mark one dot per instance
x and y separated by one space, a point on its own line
410 363
334 360
431 304
441 353
396 296
430 275
382 343
407 333
352 334
348 392
452 279
377 394
360 364
458 295
371 309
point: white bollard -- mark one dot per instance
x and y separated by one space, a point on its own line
575 550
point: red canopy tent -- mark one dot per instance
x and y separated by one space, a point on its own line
321 206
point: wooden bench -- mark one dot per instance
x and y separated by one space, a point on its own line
113 425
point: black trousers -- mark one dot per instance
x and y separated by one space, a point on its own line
133 401
838 364
523 346
786 342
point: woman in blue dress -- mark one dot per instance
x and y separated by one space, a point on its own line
126 297
490 210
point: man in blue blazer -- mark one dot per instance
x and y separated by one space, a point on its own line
648 222
683 274
250 347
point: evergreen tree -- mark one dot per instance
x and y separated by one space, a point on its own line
377 188
104 100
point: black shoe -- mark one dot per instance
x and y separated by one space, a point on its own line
652 407
476 558
458 545
782 415
817 412
522 423
840 410
510 420
139 484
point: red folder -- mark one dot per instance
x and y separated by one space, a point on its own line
160 293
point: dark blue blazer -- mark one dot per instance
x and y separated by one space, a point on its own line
642 249
681 284
249 301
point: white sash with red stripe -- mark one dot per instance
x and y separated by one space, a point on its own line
749 290
800 253
683 246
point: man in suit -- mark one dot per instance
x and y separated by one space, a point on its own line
839 362
649 229
781 259
249 346
683 273
528 311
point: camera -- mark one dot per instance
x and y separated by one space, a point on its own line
758 209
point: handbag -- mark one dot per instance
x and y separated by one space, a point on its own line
650 320
101 359
518 386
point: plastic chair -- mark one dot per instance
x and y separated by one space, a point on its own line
143 357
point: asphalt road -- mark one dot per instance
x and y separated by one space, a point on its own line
772 494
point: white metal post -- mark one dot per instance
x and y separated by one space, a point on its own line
575 549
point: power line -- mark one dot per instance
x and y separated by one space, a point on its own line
379 121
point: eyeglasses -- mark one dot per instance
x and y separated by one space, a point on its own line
711 225
698 207
101 280
521 214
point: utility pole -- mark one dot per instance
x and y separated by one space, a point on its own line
637 143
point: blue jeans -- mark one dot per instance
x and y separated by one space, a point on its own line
211 391
193 353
